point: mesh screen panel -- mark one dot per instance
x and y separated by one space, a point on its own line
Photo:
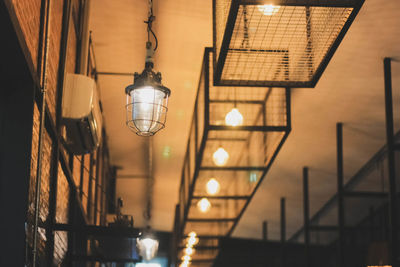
285 46
250 145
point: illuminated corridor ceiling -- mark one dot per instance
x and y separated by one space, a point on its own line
350 90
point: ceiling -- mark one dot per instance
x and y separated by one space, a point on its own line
350 91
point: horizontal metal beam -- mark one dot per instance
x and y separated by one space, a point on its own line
98 230
246 83
221 101
327 228
115 73
248 128
232 168
315 3
200 260
208 236
365 194
98 258
202 247
222 197
324 228
228 139
207 220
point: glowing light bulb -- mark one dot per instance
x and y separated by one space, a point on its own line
220 157
148 247
269 9
184 264
192 234
212 186
191 241
234 118
189 251
186 258
204 205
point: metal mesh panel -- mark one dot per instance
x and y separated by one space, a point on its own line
251 146
232 183
210 228
220 209
284 46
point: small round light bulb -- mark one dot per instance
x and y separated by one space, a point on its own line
212 187
269 9
234 118
220 157
204 205
186 258
189 251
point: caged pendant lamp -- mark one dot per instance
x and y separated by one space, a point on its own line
147 98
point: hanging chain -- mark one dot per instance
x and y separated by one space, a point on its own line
149 23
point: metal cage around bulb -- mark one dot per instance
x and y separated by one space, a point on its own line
277 43
147 103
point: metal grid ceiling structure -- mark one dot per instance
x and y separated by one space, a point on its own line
251 146
288 44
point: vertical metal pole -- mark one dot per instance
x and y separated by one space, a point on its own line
41 137
265 230
339 143
306 209
283 231
393 236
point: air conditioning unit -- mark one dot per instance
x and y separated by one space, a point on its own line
81 114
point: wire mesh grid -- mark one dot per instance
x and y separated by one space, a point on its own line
287 45
219 209
249 151
210 228
200 254
258 106
232 183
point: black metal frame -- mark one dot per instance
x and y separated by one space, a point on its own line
187 187
343 191
230 24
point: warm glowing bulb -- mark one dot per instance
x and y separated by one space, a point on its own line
189 251
268 10
148 247
184 264
212 186
186 258
191 241
220 157
204 205
192 234
234 118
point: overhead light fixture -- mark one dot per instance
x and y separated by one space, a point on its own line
147 245
277 43
212 186
269 9
204 205
234 118
220 157
147 98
